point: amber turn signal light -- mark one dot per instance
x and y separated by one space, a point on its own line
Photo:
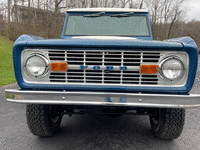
148 68
59 66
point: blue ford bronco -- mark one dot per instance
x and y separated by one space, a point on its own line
106 62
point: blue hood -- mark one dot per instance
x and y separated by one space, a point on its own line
99 41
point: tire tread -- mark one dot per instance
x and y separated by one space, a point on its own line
39 120
171 124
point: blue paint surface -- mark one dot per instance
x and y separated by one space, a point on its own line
96 67
122 99
185 44
83 67
107 99
103 43
109 67
123 68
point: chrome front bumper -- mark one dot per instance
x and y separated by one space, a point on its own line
103 99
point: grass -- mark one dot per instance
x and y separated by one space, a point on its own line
6 62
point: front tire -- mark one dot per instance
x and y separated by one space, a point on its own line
43 120
167 123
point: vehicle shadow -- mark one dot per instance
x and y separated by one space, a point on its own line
102 132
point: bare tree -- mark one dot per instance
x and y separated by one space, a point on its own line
57 3
124 2
8 11
163 14
92 4
83 3
175 15
135 4
38 4
29 16
141 4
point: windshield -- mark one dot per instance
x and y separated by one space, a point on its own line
134 25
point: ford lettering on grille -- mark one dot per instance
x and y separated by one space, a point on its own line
104 67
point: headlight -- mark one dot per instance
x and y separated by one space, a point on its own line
172 68
36 65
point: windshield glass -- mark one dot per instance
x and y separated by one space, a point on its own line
134 25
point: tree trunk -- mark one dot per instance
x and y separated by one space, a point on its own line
106 3
92 4
56 6
15 11
83 4
113 3
170 28
8 11
29 15
38 4
141 4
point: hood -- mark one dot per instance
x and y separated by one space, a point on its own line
101 41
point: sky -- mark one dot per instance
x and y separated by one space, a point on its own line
192 10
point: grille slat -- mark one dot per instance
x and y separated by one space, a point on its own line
98 61
114 77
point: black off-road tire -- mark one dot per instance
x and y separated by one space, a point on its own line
40 120
168 123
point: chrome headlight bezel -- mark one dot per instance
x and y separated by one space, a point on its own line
163 61
47 64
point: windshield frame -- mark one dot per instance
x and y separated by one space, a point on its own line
108 14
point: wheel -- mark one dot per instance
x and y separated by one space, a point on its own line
43 120
167 123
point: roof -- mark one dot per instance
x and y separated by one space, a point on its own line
105 10
32 9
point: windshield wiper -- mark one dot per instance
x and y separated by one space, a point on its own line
95 15
123 15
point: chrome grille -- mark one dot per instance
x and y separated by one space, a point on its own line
104 58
